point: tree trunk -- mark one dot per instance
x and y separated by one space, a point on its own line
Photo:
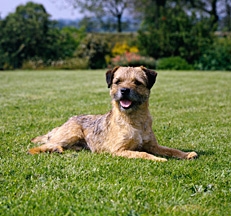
214 11
119 23
228 16
161 3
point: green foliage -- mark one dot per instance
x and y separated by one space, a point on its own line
94 50
177 34
133 60
29 39
74 35
28 33
216 56
191 111
173 63
22 31
117 38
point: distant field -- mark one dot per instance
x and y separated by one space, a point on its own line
191 111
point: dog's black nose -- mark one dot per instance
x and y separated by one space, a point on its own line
125 91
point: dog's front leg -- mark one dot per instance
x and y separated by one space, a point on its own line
136 154
170 152
154 148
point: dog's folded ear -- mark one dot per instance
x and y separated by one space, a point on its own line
110 75
151 76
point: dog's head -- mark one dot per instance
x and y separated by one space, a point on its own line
130 86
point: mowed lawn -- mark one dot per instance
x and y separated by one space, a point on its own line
191 112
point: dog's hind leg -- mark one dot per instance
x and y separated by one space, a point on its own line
48 147
44 138
40 139
65 137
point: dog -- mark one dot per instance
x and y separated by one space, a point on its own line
124 131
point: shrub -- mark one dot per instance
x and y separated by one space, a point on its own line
216 57
33 64
133 60
94 50
121 48
173 63
116 38
70 64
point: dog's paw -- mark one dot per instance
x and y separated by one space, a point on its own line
57 149
191 155
33 151
159 159
163 160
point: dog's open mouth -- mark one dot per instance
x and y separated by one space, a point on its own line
125 103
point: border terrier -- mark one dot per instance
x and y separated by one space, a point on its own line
124 131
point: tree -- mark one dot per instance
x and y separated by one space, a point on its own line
103 8
207 6
22 32
225 9
149 10
217 10
177 34
28 33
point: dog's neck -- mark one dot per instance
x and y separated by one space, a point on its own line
130 116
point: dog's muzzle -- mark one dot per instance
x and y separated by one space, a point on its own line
125 102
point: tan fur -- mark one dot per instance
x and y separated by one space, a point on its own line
124 131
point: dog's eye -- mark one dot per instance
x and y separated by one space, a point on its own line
137 82
117 82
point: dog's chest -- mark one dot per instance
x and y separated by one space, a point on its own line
134 137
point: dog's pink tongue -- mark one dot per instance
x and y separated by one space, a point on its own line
125 103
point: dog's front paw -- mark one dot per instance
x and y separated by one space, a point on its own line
191 155
159 159
162 160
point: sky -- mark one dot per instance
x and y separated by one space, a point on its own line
58 9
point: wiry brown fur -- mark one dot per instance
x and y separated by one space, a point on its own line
125 131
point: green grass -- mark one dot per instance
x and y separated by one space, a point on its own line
191 111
